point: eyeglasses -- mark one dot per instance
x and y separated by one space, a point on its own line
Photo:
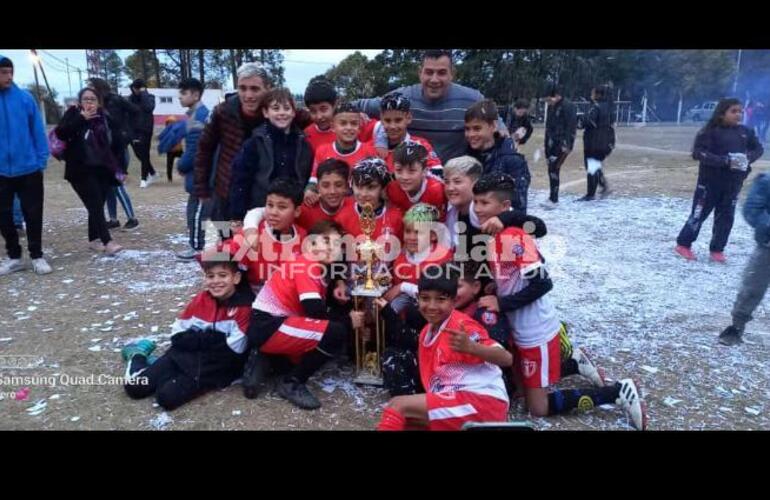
89 99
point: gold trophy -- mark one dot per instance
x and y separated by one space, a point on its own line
369 285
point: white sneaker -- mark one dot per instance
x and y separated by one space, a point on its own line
549 205
40 266
150 179
587 368
9 266
631 401
143 184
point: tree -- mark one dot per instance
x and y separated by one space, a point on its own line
112 67
142 63
356 77
52 109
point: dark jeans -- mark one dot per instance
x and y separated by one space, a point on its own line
29 189
141 147
719 195
18 217
115 194
92 191
197 213
555 160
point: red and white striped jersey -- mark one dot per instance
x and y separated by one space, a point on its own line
445 371
204 312
284 291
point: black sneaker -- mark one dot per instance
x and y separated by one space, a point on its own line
730 336
131 224
113 224
298 394
586 198
254 374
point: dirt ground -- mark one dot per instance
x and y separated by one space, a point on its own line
74 321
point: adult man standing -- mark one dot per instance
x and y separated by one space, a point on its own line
23 157
560 131
143 126
438 106
229 124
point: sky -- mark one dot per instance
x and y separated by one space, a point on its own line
299 66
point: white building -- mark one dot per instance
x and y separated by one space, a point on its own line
167 102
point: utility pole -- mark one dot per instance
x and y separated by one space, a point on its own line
737 71
69 81
37 87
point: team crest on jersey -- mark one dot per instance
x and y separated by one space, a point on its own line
489 318
475 336
528 367
518 250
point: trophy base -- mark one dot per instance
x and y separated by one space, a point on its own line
375 292
368 379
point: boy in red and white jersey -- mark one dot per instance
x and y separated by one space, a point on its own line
414 184
522 285
459 365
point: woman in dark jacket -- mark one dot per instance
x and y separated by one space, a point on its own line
276 149
91 166
725 150
598 141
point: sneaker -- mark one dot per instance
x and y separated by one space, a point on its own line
549 205
188 254
142 347
113 224
112 248
718 257
254 374
631 401
298 394
730 336
40 266
96 245
150 179
685 252
130 224
586 198
587 368
9 266
143 184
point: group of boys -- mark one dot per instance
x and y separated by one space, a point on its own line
467 300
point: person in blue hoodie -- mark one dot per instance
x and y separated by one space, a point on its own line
756 275
23 157
190 94
497 154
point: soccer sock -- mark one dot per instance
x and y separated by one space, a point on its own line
583 399
308 365
391 420
569 367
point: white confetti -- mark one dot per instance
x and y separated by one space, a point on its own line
55 396
6 339
31 308
650 369
752 411
74 419
67 282
236 413
38 408
669 401
95 348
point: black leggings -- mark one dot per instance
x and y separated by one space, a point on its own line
171 387
141 149
92 191
170 157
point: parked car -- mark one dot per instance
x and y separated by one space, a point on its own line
701 112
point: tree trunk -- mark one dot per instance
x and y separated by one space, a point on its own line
233 68
157 68
201 68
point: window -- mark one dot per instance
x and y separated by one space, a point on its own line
166 100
